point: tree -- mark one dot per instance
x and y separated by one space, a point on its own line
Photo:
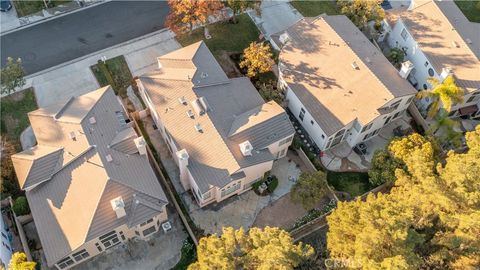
443 94
444 129
185 14
360 12
257 58
239 6
19 262
429 220
383 168
310 188
395 56
257 249
12 76
20 207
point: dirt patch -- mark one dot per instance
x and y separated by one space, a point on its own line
228 65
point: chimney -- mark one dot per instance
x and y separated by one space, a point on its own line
141 145
445 73
246 148
183 157
118 206
159 64
406 68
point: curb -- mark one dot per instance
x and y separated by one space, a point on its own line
94 53
53 17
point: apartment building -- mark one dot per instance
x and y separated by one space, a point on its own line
88 181
221 133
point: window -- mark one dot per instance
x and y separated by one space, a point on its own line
473 97
371 134
207 195
81 255
146 222
388 120
287 140
122 235
431 72
452 113
98 247
109 239
426 64
148 231
323 136
394 105
367 127
410 99
230 189
404 34
311 122
121 117
302 114
65 263
396 115
425 87
4 236
137 233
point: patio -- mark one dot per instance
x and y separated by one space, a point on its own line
343 158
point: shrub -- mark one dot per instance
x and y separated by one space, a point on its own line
104 69
396 56
297 143
257 184
20 207
273 185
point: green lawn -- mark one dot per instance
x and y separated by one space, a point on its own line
315 8
470 8
14 109
28 7
352 182
225 36
115 72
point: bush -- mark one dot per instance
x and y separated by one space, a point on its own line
297 143
257 184
103 68
273 185
20 207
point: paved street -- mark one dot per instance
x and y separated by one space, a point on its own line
65 38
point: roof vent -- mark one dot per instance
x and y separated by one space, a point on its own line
284 38
367 60
355 65
198 128
246 148
73 136
118 206
469 41
141 145
455 44
190 114
183 100
204 103
92 120
109 158
197 106
204 75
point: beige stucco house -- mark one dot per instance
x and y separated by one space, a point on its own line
88 181
339 86
221 133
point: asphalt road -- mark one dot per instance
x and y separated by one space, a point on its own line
74 35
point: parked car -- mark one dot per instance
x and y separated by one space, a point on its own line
5 5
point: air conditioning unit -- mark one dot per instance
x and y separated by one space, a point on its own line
109 158
141 145
92 120
118 206
246 148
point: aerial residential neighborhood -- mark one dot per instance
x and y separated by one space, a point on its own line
234 134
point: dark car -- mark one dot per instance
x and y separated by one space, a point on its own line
5 5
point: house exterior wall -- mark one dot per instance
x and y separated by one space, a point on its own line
6 247
315 131
95 247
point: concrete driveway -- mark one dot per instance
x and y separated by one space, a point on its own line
276 16
75 78
9 20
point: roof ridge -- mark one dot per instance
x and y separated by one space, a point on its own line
356 55
90 147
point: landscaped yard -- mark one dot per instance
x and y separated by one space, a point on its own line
114 72
27 7
225 36
471 9
354 183
315 8
14 109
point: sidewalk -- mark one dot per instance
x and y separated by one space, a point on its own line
11 22
75 77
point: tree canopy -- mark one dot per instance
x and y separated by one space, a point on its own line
257 249
360 12
443 94
185 14
257 58
19 262
429 220
383 167
239 6
12 76
310 188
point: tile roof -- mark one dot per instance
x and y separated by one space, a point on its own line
73 205
337 73
214 155
447 38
